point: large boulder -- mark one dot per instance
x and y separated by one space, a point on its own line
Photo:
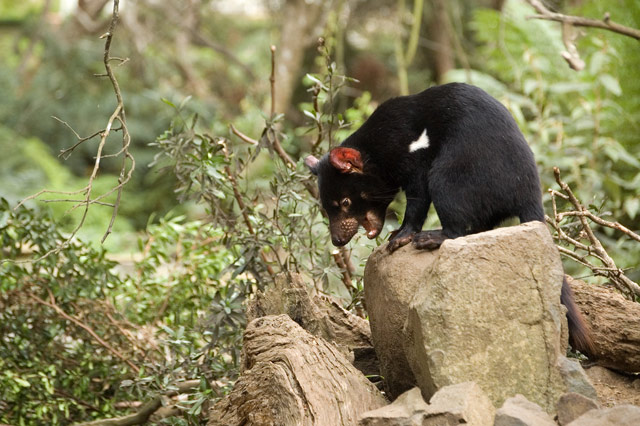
485 308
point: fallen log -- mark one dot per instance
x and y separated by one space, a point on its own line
614 324
320 315
291 377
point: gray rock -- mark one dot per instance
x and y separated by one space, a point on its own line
463 403
519 411
407 410
575 378
572 405
621 415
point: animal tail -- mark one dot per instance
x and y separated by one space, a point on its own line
579 331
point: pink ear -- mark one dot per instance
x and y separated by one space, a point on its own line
346 160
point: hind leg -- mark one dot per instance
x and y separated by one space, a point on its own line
533 211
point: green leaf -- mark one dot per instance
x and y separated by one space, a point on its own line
168 102
184 102
611 84
632 206
22 382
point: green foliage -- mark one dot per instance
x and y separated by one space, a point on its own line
29 166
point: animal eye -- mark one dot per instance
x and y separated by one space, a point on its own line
345 202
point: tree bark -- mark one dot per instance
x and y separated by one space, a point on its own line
293 378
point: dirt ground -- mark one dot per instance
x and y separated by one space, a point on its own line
614 388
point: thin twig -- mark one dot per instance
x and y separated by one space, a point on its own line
242 206
242 136
270 132
272 80
145 412
600 221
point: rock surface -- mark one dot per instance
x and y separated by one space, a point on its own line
575 378
489 311
407 410
614 325
292 378
390 286
519 411
463 403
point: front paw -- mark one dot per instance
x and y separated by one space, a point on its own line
399 238
428 240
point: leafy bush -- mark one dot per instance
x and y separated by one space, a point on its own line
51 369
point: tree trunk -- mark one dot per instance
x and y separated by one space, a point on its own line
322 316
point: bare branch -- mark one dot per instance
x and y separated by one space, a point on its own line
606 23
270 133
272 80
594 249
128 162
242 136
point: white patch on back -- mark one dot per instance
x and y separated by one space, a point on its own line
420 143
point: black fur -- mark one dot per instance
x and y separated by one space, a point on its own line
478 170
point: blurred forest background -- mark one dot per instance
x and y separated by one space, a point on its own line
219 201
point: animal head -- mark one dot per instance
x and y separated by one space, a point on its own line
351 193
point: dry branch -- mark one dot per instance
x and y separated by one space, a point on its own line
128 162
583 252
578 21
53 305
291 377
614 324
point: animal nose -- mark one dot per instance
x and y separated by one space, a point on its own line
338 241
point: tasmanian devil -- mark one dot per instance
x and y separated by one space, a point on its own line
453 145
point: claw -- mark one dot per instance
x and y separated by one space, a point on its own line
396 243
